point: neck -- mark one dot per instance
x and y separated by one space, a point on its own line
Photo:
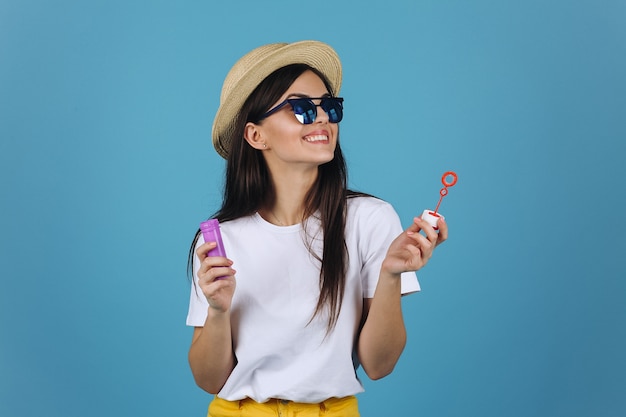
287 206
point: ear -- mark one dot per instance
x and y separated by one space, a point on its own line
252 135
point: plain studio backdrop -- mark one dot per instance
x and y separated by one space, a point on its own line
107 168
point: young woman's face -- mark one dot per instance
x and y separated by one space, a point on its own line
290 142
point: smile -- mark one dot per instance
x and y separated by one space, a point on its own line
316 138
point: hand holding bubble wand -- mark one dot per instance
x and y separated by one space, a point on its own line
448 179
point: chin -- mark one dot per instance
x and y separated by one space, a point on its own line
323 161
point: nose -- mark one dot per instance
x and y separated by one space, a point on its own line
321 115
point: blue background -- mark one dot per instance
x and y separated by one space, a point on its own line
107 167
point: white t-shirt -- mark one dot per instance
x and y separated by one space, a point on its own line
282 353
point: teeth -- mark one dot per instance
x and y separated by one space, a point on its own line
316 138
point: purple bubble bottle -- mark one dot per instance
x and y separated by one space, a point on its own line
211 233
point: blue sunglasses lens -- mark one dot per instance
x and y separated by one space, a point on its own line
333 108
306 111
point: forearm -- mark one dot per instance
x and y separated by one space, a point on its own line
211 356
383 335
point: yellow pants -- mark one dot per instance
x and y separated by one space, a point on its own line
333 407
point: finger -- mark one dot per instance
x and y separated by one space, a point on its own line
422 242
416 226
223 273
203 249
428 230
215 261
210 262
414 250
443 231
217 274
214 291
418 256
422 248
431 233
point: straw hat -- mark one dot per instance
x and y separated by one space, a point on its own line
254 67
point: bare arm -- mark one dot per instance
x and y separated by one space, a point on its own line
211 356
383 335
211 353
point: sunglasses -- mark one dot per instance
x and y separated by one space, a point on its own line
306 111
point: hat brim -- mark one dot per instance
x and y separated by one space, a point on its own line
254 67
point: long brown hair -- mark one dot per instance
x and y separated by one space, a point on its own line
247 188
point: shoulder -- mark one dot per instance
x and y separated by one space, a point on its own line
239 225
366 213
238 221
359 206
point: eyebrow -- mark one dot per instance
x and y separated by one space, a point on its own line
300 95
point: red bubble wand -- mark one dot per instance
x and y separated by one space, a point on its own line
448 179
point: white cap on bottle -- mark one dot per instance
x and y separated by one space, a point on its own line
431 218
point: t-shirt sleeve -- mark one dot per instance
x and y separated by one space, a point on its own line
198 305
380 225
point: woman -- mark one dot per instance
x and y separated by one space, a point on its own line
312 284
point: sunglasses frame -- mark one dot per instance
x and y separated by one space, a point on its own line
296 100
